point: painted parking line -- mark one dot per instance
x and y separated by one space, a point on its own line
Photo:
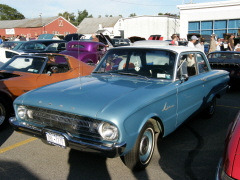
229 106
17 145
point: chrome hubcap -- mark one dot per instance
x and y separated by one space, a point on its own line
146 146
211 107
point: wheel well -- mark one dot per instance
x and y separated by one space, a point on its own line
158 125
218 95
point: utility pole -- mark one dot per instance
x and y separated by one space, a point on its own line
40 15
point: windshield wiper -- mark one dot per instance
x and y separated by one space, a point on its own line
101 72
132 74
98 72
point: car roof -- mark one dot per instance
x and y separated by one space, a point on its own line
177 49
46 40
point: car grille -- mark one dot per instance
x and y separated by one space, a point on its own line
74 124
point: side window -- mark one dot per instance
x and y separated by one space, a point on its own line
10 54
201 64
56 64
101 48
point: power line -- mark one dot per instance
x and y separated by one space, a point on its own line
140 4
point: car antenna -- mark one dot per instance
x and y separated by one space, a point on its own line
79 69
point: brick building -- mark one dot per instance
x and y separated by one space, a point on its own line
36 26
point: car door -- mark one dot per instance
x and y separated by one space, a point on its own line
190 93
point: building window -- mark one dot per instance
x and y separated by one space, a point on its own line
193 26
206 25
218 27
60 23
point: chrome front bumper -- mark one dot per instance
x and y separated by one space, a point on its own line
112 151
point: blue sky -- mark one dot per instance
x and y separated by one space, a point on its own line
48 8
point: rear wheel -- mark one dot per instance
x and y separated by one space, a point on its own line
210 109
4 112
141 154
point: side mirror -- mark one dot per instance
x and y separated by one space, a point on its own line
184 77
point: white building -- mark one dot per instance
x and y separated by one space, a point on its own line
144 26
208 18
111 26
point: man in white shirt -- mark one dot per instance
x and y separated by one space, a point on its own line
192 41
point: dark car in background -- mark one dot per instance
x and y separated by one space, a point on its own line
120 42
13 45
38 46
229 61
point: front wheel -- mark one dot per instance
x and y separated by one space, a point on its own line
141 154
210 109
4 112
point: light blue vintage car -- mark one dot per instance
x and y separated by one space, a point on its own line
134 95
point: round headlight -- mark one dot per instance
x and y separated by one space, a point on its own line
108 131
21 111
30 114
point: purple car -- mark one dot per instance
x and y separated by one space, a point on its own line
89 52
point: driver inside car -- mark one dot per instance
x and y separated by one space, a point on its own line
51 64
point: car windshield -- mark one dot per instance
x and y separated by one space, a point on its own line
150 63
56 47
24 64
32 46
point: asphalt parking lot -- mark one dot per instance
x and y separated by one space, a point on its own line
191 152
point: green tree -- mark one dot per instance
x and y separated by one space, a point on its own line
9 13
81 15
132 15
68 16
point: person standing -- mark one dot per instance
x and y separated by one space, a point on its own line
17 38
231 42
1 41
200 44
213 44
219 45
174 41
94 38
237 47
192 42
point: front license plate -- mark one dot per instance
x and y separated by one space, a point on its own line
55 139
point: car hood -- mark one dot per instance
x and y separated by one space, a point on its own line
89 95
